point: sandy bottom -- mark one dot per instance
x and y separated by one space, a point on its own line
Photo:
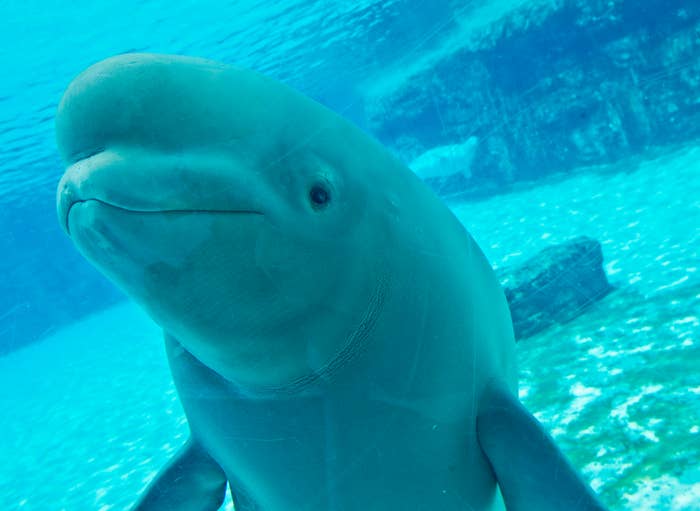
90 414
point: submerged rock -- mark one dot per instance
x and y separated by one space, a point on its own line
555 286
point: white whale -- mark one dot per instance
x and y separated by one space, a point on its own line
337 339
446 160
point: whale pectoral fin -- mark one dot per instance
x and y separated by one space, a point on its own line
532 472
191 481
241 500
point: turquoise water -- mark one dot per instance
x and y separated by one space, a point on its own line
613 386
89 410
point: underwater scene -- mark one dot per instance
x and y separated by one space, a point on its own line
235 269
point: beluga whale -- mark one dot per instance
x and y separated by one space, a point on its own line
337 339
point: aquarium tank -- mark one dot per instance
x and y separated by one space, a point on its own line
562 135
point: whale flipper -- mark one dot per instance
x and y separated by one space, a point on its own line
531 470
191 481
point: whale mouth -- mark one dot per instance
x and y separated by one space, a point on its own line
146 212
164 210
143 181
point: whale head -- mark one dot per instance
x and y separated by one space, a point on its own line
250 222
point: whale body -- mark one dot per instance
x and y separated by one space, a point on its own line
337 339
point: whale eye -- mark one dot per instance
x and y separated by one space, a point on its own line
319 195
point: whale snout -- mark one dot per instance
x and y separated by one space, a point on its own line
149 133
66 197
146 181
